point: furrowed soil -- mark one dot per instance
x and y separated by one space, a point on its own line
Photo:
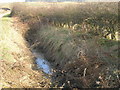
16 59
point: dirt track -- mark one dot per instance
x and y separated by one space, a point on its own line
4 13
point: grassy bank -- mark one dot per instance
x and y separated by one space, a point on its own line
16 60
71 53
79 41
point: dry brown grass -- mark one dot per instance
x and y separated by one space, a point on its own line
69 53
94 18
16 60
79 51
7 5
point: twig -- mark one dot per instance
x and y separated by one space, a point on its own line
84 72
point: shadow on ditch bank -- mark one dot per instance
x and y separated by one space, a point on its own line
74 61
49 70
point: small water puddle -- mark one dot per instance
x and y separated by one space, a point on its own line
42 63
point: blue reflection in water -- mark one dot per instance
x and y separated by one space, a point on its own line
44 65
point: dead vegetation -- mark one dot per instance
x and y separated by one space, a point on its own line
16 59
75 40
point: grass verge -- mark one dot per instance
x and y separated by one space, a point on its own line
16 60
